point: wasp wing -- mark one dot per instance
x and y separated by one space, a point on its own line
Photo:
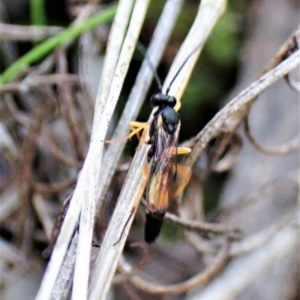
161 178
162 169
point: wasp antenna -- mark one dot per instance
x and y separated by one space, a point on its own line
181 67
142 49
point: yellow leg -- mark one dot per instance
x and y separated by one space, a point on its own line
183 150
135 128
177 106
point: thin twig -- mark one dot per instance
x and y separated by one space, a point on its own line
43 213
260 239
261 193
53 188
231 115
67 109
37 81
236 277
202 278
291 146
203 227
289 47
9 32
57 153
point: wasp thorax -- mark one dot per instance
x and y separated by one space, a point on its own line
170 119
162 99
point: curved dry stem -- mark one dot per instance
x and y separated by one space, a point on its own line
224 152
52 188
262 237
236 277
289 47
257 240
43 213
291 146
67 108
203 226
227 119
56 152
199 244
268 189
294 84
202 278
121 278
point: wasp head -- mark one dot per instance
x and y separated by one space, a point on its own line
163 100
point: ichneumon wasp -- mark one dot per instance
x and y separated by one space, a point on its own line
165 178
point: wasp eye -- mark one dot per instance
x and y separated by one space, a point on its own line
161 99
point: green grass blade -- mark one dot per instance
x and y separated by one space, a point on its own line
46 47
37 12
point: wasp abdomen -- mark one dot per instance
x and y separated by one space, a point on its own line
154 221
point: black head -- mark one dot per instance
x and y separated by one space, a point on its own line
170 119
160 99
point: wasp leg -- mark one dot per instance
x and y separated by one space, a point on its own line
183 150
177 106
135 128
183 176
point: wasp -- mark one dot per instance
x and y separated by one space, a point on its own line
165 179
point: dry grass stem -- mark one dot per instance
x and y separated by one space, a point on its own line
27 33
81 273
114 45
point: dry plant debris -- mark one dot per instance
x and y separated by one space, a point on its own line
52 150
